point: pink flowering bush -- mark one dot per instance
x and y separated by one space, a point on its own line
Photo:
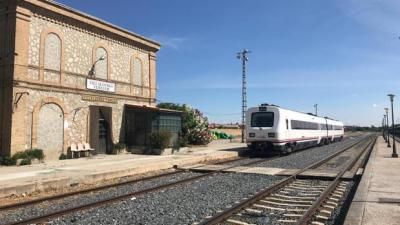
195 130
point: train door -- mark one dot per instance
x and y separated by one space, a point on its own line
327 132
287 130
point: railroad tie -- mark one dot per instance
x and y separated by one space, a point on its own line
317 223
237 222
334 204
341 189
253 211
294 197
337 195
268 207
292 215
287 221
328 207
285 204
307 194
333 199
288 200
297 210
308 185
307 191
322 218
326 213
315 189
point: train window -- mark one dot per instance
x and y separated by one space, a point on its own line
262 119
303 125
287 124
337 127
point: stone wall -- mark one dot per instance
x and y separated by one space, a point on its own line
75 116
79 51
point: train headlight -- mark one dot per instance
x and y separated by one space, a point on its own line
252 134
271 135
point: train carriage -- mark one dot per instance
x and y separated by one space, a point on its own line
272 127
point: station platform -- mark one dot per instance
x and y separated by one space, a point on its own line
60 175
377 199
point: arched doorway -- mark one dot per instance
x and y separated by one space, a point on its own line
50 130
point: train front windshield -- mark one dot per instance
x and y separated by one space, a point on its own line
262 119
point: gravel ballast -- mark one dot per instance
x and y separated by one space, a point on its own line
304 158
55 205
184 204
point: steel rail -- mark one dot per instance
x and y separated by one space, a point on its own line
309 214
221 216
58 213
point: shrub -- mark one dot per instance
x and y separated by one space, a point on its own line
160 140
195 129
20 155
62 156
7 161
118 147
28 155
26 161
36 154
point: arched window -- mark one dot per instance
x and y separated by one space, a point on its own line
137 71
101 60
52 52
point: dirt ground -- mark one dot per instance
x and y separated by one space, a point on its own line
234 132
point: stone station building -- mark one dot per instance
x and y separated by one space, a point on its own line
68 77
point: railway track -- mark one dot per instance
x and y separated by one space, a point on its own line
58 213
48 216
296 201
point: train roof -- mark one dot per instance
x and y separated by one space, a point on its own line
310 114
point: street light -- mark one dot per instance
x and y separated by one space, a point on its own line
91 71
316 109
384 127
387 124
394 154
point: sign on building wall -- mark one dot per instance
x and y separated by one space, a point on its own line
100 85
92 98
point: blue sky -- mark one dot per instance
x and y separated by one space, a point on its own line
342 54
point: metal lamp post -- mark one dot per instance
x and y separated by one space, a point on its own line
394 154
316 109
387 124
384 127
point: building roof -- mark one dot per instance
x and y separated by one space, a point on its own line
152 108
85 17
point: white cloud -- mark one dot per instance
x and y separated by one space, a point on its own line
168 41
375 105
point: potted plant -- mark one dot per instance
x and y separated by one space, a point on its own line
159 141
119 147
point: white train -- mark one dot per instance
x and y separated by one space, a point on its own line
272 127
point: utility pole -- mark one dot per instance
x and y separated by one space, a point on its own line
316 109
243 56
